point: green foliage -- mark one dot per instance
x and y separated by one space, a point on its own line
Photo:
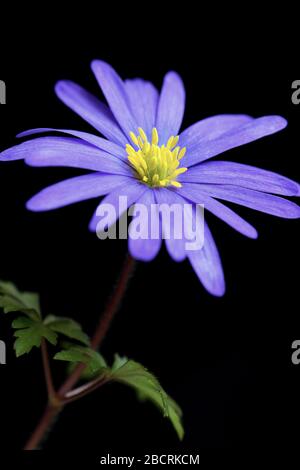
148 388
130 373
31 328
12 300
29 333
67 327
78 354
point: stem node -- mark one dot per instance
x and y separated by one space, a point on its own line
57 400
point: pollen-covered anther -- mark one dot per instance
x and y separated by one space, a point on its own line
156 166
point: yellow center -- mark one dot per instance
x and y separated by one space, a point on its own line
156 166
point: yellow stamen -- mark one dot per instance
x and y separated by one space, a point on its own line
155 179
176 184
142 134
182 153
154 136
175 142
140 141
156 166
134 138
170 142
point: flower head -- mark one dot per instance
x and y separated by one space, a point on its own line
144 157
156 166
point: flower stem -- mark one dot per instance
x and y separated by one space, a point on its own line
43 427
114 303
84 390
57 400
47 372
104 322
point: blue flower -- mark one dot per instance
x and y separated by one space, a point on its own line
144 158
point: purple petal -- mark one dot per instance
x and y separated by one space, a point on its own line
103 144
143 98
75 190
193 193
131 189
146 248
65 151
256 200
114 91
90 109
31 147
241 175
208 266
250 132
212 128
170 107
13 153
175 247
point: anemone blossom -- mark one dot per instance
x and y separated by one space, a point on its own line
143 156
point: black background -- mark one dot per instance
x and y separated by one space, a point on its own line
226 361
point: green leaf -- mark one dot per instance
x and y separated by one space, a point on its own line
79 354
119 362
148 388
22 322
29 333
67 327
127 372
12 300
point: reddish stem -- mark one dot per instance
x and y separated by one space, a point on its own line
58 400
42 428
104 322
47 372
84 390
